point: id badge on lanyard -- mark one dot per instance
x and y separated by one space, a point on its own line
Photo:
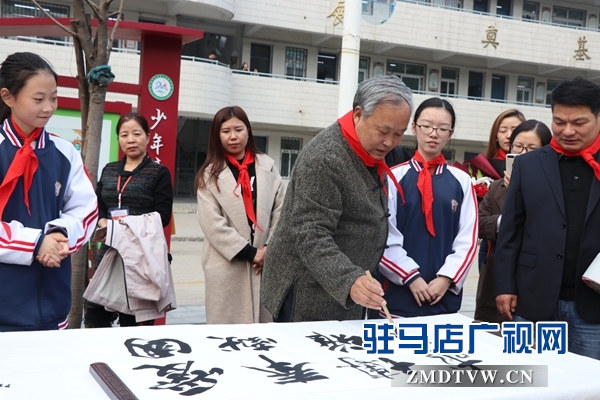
120 211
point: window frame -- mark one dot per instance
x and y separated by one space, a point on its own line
286 172
404 74
292 60
446 81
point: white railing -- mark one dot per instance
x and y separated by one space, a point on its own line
533 21
286 77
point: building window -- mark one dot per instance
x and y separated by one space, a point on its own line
503 7
367 7
26 8
260 58
327 67
524 90
469 155
295 62
498 87
262 143
449 155
363 69
531 10
550 86
568 16
450 3
413 75
290 148
480 5
475 85
449 83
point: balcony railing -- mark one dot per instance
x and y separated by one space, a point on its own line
285 77
533 21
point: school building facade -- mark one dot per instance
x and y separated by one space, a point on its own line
485 56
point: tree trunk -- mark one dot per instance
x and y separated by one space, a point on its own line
90 52
94 124
78 274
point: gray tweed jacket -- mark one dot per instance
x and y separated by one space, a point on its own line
332 228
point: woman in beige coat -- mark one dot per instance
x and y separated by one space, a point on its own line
240 195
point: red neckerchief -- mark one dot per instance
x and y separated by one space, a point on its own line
587 154
501 154
244 182
24 164
347 127
425 187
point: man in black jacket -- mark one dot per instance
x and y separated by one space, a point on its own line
549 231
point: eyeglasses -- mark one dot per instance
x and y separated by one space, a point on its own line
520 149
427 130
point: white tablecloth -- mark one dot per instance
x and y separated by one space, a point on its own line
249 362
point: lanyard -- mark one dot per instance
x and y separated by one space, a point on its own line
119 190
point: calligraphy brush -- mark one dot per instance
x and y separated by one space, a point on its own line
385 309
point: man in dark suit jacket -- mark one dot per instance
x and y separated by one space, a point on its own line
550 229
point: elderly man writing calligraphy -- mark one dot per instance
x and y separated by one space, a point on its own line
333 226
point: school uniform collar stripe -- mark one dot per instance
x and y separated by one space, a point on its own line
416 165
14 137
42 140
438 170
10 134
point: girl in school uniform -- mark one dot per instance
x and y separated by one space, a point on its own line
48 206
432 238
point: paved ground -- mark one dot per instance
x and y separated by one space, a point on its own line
186 246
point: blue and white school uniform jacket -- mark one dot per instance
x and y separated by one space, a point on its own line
413 252
34 297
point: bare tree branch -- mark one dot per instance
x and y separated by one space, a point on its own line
94 7
64 28
82 28
112 34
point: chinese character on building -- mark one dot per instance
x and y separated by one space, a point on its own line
338 13
490 36
581 52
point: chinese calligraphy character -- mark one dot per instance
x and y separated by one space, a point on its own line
371 339
517 334
286 373
490 35
354 342
372 368
552 336
158 117
457 360
256 343
159 348
401 366
338 13
156 143
581 52
180 379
